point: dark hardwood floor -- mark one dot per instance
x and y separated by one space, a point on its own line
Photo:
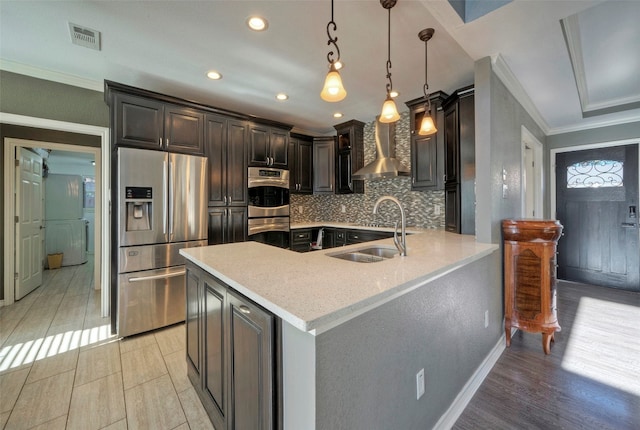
591 379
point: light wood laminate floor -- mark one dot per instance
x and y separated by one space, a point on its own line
591 379
60 367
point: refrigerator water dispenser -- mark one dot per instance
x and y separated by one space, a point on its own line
139 208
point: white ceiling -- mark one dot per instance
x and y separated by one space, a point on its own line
169 46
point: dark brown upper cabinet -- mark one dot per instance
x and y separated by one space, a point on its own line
324 164
427 152
460 161
349 156
268 147
226 149
143 122
300 164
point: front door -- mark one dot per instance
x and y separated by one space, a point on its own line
597 203
29 224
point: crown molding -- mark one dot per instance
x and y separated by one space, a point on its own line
506 76
50 75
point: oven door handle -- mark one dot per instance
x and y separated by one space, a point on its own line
268 182
161 276
255 229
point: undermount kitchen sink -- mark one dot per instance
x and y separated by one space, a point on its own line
371 254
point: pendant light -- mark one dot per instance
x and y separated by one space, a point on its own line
389 110
427 127
333 90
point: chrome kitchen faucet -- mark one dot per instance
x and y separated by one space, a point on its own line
401 245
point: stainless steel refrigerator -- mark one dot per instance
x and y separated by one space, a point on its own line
162 208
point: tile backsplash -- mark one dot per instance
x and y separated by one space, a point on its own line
420 206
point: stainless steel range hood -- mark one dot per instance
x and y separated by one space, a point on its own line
386 165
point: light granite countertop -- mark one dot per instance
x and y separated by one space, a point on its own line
315 292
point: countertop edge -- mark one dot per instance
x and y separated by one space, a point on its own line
334 318
352 226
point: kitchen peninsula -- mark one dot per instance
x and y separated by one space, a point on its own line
350 336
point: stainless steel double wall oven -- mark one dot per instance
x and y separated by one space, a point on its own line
268 209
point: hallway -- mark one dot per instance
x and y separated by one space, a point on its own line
60 367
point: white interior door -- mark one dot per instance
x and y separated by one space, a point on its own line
29 227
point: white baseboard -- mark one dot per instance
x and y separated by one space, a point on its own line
449 418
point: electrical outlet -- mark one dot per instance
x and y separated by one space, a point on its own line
343 209
300 209
436 209
419 384
486 318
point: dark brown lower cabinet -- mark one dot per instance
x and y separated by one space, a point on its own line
251 332
232 355
530 278
227 224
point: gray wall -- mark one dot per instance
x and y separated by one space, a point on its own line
499 121
584 137
24 95
366 368
419 205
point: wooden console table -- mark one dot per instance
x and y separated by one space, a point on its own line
530 277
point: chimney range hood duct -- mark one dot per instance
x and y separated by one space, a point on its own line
385 165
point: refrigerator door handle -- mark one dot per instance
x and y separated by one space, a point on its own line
162 276
172 178
164 193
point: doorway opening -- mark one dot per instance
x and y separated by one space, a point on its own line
532 177
101 211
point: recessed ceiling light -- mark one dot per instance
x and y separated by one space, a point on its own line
337 115
214 75
394 93
257 23
282 96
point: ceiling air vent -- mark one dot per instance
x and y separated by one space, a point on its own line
84 36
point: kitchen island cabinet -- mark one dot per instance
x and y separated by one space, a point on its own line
354 335
231 353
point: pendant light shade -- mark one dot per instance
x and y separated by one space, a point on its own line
428 126
389 111
333 90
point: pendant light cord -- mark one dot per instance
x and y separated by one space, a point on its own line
390 83
426 76
332 40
